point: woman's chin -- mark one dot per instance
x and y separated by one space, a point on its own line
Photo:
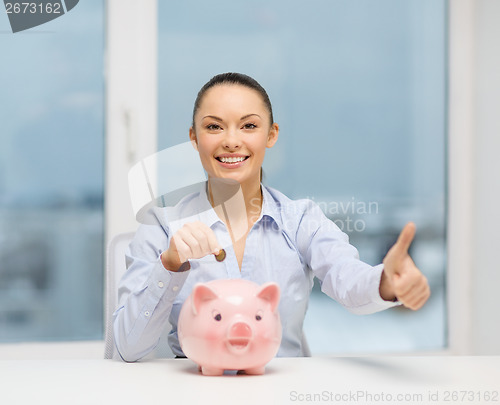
226 180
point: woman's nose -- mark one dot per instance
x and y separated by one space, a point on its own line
232 139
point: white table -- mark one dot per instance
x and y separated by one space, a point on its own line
329 380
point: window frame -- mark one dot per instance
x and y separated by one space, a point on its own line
131 102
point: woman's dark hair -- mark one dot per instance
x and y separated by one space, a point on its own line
233 78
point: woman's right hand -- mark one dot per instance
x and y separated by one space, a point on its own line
193 241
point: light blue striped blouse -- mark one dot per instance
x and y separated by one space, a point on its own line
291 242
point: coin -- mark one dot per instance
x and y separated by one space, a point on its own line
221 255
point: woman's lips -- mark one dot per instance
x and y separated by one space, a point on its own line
231 162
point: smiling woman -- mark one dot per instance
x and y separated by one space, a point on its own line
231 133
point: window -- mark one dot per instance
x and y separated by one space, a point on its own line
359 91
51 178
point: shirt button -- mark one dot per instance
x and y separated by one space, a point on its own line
160 284
175 288
147 313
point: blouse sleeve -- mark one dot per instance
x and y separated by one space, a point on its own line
335 262
145 293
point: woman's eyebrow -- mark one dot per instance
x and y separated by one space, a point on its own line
220 119
248 115
213 117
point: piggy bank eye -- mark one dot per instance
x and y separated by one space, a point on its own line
217 316
258 317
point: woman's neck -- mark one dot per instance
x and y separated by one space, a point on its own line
238 205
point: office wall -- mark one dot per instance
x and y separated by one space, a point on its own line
474 187
486 269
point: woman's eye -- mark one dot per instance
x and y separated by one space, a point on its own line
213 127
250 126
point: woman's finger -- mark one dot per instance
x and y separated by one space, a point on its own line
405 238
200 239
181 248
415 292
190 240
213 244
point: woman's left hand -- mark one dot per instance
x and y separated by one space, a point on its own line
401 279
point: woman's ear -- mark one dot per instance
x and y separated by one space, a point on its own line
273 135
192 137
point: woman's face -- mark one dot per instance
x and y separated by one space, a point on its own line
232 131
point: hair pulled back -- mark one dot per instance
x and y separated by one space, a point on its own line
232 78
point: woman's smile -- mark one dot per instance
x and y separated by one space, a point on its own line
231 160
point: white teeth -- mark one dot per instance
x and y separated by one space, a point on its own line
231 159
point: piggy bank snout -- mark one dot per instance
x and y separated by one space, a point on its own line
240 330
239 336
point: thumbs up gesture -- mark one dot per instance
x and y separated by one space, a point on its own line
401 279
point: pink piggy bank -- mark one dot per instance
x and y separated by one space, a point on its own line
231 325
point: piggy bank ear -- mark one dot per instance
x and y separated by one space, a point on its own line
201 294
270 292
